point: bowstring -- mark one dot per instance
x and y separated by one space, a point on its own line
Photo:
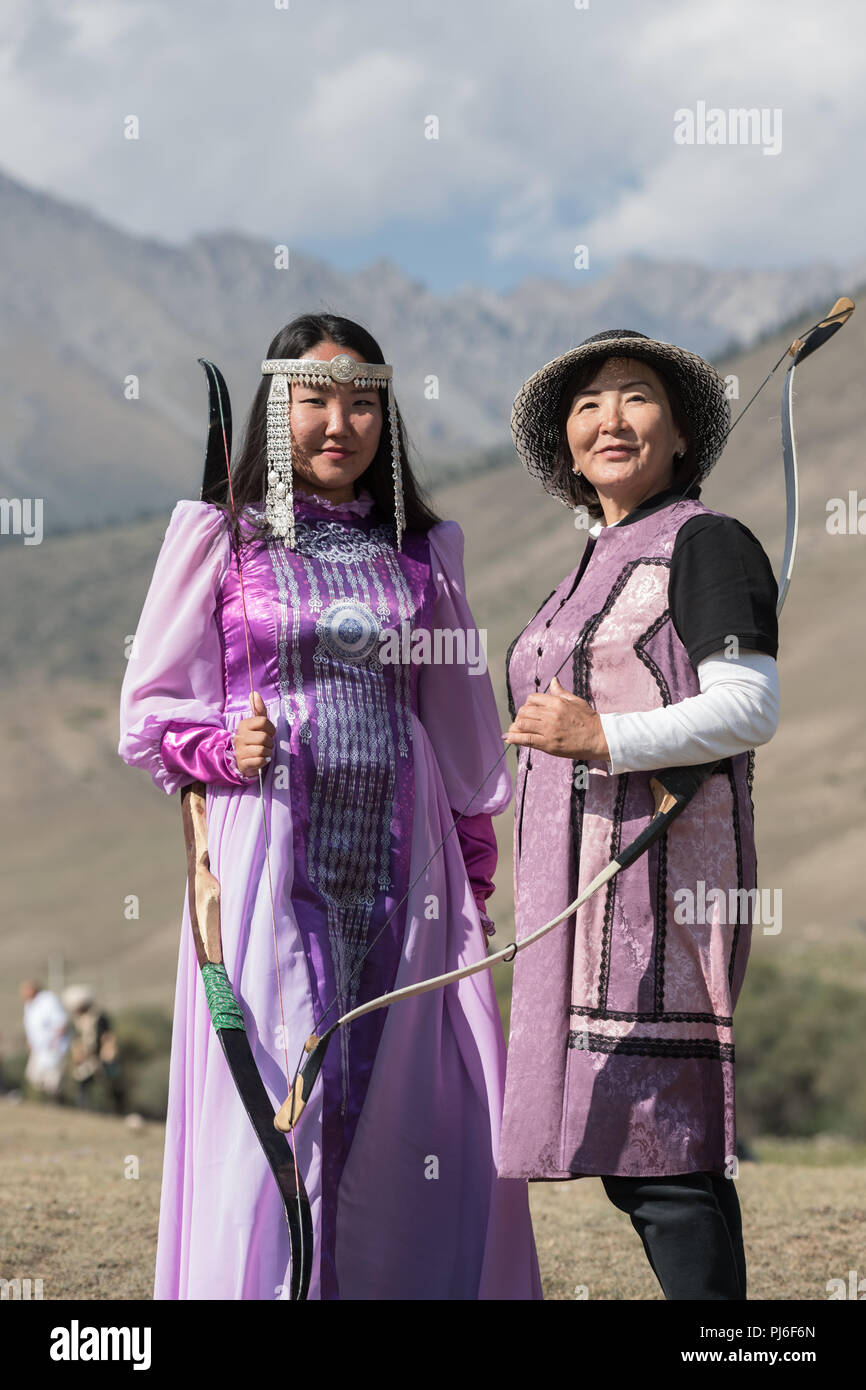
264 816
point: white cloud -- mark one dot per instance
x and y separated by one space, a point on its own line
555 124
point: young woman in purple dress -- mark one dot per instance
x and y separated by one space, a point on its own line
365 763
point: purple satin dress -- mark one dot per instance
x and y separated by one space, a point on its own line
398 1145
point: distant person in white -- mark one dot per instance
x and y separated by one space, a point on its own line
46 1024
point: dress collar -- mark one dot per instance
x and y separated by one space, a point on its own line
313 502
649 505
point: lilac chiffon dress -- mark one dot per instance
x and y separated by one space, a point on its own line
398 1146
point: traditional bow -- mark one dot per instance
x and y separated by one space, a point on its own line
672 789
204 907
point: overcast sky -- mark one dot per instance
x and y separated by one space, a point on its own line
306 126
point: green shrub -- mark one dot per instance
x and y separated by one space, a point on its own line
142 1034
147 1088
799 1045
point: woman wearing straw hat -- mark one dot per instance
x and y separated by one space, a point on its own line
657 650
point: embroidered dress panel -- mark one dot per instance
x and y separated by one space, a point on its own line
339 588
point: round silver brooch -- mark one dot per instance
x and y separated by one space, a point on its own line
349 629
343 367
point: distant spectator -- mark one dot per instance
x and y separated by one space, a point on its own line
45 1023
94 1047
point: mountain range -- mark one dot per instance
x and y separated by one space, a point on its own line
85 306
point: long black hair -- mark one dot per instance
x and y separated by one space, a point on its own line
581 490
249 471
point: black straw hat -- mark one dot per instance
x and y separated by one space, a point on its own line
535 416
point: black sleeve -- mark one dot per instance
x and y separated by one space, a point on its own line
721 585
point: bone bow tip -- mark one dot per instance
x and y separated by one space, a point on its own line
292 1108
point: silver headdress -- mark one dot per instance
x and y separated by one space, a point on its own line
308 371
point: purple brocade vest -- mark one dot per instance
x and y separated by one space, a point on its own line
621 1054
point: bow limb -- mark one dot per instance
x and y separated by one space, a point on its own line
214 486
204 908
792 488
799 349
228 1021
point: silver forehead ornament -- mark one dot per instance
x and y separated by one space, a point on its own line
307 371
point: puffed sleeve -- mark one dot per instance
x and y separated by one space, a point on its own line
458 710
173 693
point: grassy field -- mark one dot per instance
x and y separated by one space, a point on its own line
79 1201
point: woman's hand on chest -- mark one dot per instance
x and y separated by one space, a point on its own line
559 723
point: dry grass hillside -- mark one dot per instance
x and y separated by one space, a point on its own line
82 831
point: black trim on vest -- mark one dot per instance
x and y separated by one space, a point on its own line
512 709
626 1016
680 1048
610 892
661 926
735 800
644 656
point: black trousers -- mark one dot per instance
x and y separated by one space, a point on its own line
691 1230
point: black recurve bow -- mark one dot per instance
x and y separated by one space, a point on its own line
204 908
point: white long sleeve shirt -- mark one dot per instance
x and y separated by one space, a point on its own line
737 709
